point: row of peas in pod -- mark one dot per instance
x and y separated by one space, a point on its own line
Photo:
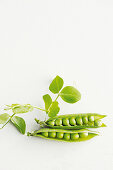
71 128
64 135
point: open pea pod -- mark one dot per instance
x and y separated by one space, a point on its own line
64 135
74 121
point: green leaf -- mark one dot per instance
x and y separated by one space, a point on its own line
47 100
17 109
56 85
9 107
54 109
70 94
4 118
19 123
14 105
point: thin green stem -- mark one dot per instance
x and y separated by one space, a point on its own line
56 97
54 101
40 109
41 123
44 109
7 121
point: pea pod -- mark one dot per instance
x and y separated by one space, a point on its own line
74 121
64 135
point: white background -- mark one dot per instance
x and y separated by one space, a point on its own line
42 39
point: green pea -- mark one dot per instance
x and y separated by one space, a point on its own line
66 122
45 134
97 122
60 135
52 134
79 120
74 136
91 124
51 123
58 122
85 120
72 121
66 136
83 135
91 118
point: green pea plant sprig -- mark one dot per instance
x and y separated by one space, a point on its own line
70 128
69 94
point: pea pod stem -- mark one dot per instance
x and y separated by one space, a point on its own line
41 123
29 134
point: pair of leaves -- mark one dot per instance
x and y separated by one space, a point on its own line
52 108
69 93
18 122
18 109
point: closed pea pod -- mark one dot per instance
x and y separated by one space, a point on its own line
74 121
64 135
